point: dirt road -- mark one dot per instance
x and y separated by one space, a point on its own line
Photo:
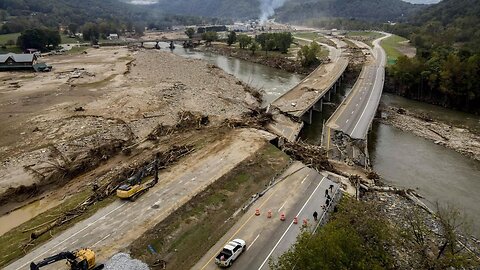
112 228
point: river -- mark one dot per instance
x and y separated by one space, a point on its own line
401 158
272 82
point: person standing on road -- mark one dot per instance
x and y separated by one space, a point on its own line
331 188
315 215
326 192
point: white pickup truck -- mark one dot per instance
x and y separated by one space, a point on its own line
230 252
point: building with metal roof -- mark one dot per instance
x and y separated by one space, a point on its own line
12 61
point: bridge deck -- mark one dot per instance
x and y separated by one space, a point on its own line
308 92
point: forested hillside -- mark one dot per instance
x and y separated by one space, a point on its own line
238 9
293 10
446 70
19 15
369 10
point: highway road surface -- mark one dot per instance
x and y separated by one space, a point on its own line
114 227
354 116
300 194
308 92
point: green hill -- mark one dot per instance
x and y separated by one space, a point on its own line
368 10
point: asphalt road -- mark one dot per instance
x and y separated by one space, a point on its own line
298 195
354 116
114 227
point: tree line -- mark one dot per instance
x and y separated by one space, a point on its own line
446 69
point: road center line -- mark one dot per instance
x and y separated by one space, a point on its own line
248 247
237 231
101 240
281 207
304 179
291 223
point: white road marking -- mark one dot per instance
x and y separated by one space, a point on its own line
289 226
73 235
304 179
101 240
281 207
253 242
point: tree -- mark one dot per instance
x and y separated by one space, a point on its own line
41 39
73 28
244 41
209 37
446 252
355 238
90 32
139 29
254 47
190 32
308 54
232 38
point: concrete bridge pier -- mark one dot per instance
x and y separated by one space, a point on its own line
334 88
318 107
328 95
308 116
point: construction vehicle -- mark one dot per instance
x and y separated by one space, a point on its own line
83 259
133 187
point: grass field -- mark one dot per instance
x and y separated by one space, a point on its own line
373 35
391 45
68 40
7 37
307 35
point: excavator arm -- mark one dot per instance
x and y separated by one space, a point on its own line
55 258
83 259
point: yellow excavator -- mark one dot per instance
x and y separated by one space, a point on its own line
82 259
133 187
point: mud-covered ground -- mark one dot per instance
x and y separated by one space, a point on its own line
97 104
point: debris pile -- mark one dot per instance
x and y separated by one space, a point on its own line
255 118
123 261
108 184
311 155
186 121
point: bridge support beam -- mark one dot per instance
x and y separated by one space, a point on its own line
328 95
308 116
318 107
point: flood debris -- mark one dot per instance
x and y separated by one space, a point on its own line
311 155
107 185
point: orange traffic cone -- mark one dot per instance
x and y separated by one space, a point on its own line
257 212
282 217
269 214
295 220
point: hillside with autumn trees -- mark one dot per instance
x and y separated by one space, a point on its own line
446 70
